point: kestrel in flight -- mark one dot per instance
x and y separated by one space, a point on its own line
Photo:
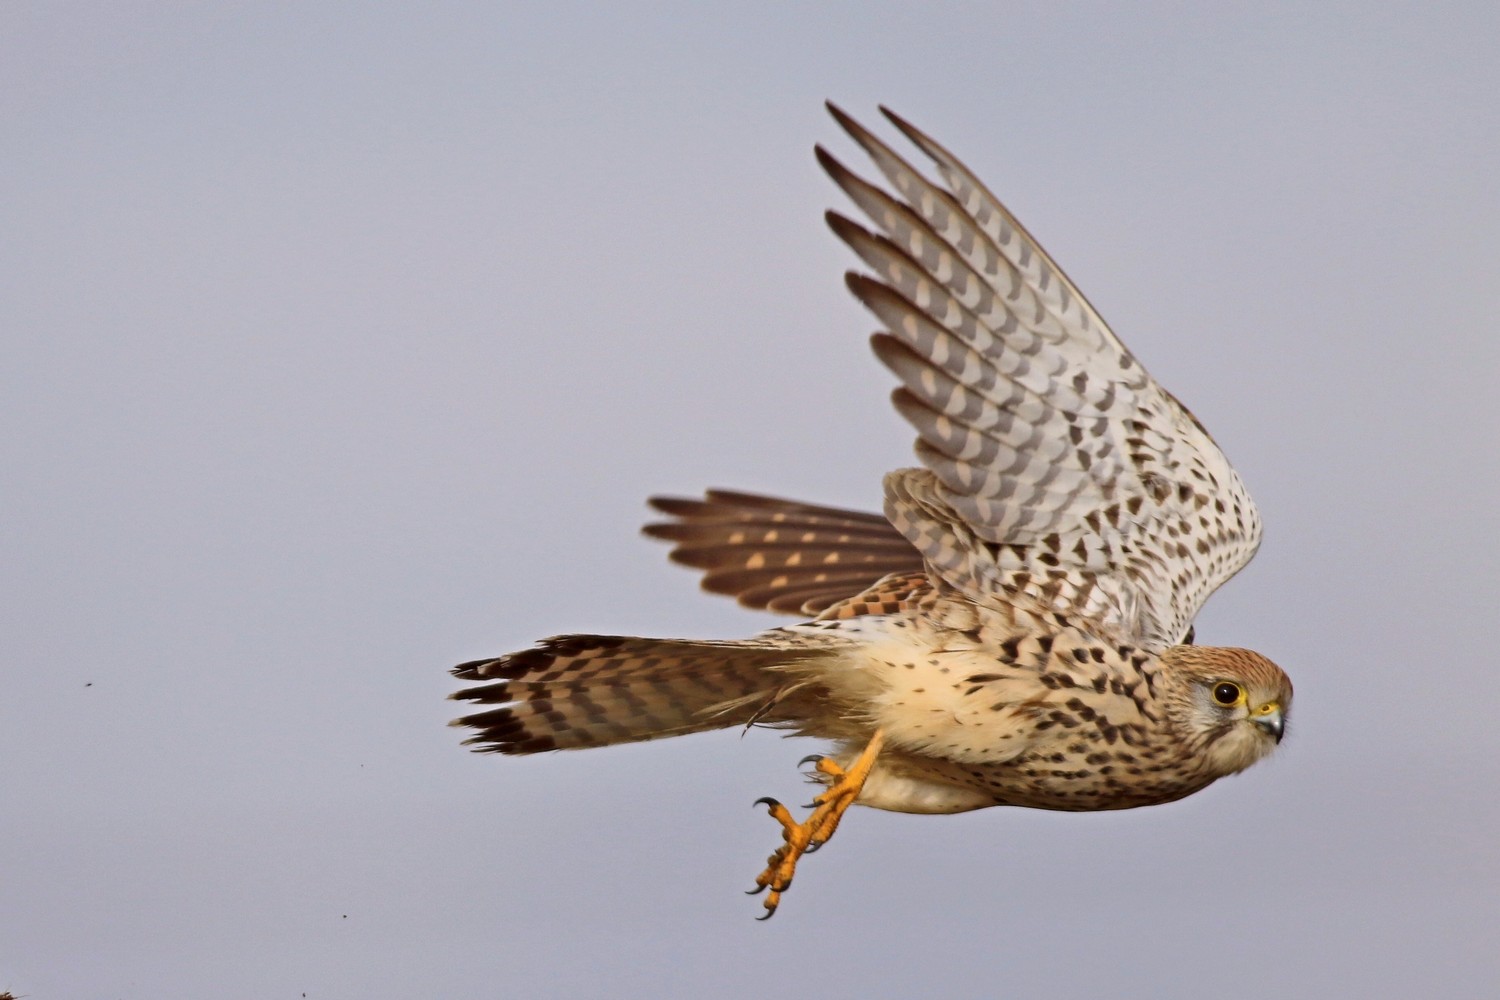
1017 628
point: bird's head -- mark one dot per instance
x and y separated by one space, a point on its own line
1234 701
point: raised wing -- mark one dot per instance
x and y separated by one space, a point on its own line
1056 469
782 555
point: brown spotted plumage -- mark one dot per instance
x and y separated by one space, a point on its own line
1016 628
780 555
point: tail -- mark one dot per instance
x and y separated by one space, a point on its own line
574 691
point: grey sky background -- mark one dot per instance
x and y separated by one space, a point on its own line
343 342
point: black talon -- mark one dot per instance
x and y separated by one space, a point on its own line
768 916
812 757
756 891
766 800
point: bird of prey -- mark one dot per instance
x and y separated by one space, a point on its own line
1017 628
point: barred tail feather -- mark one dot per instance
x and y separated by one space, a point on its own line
576 691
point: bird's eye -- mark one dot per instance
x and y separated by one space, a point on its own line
1228 694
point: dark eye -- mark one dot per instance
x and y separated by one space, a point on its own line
1228 694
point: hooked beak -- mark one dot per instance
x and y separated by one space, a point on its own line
1270 718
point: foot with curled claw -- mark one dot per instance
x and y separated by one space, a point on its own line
812 833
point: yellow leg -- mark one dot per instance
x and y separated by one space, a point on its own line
807 836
